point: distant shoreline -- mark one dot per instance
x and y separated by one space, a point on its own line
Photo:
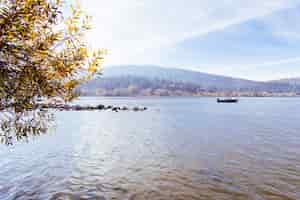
212 96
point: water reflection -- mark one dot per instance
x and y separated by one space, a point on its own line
20 126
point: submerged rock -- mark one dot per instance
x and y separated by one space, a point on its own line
125 108
101 107
109 107
116 109
136 109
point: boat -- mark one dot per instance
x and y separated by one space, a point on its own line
227 100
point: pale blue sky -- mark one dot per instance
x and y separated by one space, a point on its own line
254 39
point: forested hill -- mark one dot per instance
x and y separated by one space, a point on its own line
290 81
152 80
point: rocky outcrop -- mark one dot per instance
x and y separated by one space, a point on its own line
68 107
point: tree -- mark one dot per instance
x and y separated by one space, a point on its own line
43 53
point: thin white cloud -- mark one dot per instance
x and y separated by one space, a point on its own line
135 31
285 25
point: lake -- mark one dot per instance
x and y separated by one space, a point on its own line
180 148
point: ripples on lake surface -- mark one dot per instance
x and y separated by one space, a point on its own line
181 148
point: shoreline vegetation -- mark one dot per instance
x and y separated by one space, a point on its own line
201 94
155 81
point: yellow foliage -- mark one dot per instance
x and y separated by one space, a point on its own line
43 54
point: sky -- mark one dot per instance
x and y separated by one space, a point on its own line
252 39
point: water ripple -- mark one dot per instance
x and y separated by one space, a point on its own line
179 153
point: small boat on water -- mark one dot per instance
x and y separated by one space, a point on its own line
227 100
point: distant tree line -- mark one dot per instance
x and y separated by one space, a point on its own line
141 86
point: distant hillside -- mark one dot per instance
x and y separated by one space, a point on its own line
139 86
179 75
153 80
290 81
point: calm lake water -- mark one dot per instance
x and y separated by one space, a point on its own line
181 148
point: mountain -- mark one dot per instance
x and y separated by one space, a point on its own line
134 80
290 81
178 75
